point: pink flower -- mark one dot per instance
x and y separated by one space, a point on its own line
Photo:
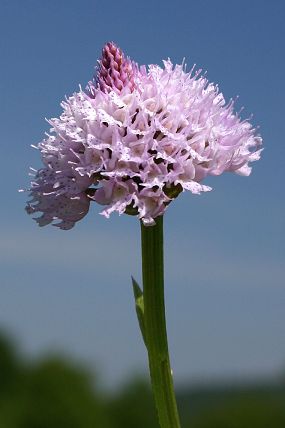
136 139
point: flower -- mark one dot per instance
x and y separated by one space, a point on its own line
136 138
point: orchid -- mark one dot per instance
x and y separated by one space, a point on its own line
132 141
136 138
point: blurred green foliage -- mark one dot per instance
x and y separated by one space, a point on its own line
54 393
261 406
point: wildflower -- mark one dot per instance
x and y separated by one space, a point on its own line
136 138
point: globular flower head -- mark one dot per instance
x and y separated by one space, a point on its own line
135 139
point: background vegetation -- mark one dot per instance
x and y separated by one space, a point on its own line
55 393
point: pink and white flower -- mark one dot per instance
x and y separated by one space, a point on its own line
136 138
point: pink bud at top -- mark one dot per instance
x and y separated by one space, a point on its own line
115 72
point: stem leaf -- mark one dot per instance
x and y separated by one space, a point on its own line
139 307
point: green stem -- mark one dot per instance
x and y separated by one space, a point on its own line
155 325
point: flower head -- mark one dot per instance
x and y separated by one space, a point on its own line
135 139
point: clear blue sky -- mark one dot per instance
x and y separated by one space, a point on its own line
71 291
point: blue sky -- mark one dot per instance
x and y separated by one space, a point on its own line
70 291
